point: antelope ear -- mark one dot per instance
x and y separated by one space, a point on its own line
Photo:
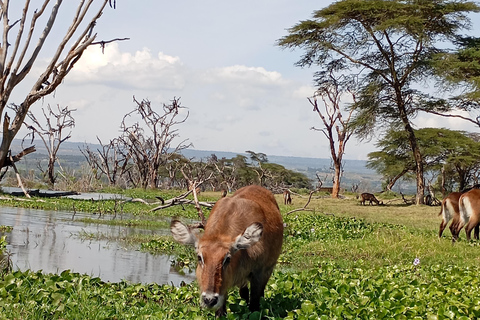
249 237
181 233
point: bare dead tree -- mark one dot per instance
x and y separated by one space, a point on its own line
336 123
149 144
52 133
109 161
196 174
182 200
173 167
319 181
19 53
225 170
354 187
19 179
306 204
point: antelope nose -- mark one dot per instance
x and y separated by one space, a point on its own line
210 300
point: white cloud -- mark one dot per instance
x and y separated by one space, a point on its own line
139 70
233 108
304 92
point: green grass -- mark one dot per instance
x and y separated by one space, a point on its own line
340 261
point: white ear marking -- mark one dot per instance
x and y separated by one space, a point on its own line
249 237
181 233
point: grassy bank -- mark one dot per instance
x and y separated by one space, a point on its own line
339 261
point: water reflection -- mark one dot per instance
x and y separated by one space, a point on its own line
48 241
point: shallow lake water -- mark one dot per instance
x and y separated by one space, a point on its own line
49 241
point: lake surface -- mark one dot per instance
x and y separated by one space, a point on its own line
49 241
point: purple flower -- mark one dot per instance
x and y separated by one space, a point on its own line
416 262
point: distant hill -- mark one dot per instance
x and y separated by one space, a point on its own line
355 171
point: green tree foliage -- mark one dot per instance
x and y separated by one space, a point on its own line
457 153
232 174
388 45
461 69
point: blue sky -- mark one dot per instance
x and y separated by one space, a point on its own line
242 92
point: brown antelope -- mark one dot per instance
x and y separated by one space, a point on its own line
241 243
469 207
370 197
450 210
287 198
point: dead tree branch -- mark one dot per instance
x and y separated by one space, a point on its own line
20 52
306 204
181 200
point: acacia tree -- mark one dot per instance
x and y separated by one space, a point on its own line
459 71
19 52
444 151
387 44
336 125
261 171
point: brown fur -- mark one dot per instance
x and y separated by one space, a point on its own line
469 207
450 210
251 207
370 197
287 198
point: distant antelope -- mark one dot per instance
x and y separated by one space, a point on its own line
450 210
370 197
287 199
469 207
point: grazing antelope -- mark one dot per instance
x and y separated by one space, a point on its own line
370 197
450 210
241 243
469 207
287 198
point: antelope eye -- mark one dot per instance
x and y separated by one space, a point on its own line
226 261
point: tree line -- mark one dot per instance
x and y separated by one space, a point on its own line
147 154
451 158
144 156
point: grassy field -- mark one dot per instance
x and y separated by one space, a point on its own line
341 260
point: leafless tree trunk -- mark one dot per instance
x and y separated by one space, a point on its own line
196 175
226 171
152 149
173 166
110 161
51 134
336 127
394 180
19 53
319 181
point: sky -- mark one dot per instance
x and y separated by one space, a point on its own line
241 91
